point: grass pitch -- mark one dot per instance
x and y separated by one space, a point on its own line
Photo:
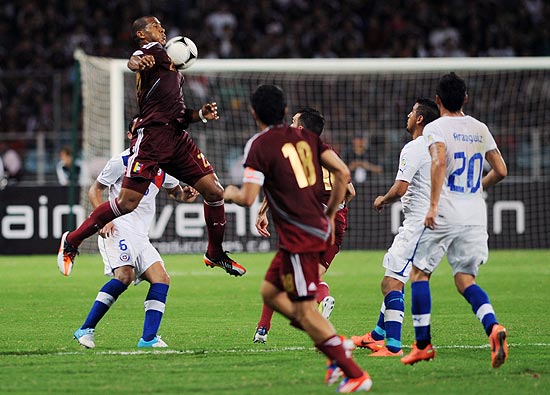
211 317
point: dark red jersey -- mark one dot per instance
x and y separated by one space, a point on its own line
289 159
160 90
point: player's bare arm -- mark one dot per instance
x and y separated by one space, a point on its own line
498 168
350 193
396 191
95 195
181 194
207 112
137 63
437 153
243 196
261 220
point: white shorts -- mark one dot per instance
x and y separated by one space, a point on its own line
128 250
399 259
465 246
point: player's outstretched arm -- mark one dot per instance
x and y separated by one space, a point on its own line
137 63
186 194
243 196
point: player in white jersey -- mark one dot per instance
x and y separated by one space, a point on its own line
412 186
127 253
456 222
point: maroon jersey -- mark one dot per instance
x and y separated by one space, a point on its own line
289 160
160 90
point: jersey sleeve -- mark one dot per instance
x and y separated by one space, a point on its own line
408 164
432 134
170 182
113 170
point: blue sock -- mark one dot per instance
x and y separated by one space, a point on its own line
421 306
481 306
379 332
107 295
395 310
155 303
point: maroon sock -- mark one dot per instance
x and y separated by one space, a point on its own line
334 349
214 216
322 291
102 215
265 319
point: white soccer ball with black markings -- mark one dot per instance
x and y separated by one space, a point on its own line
182 51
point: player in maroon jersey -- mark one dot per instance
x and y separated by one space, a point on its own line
313 120
286 162
160 140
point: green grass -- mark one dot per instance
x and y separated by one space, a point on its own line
210 320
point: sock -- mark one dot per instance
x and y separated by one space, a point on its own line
421 306
330 253
155 303
265 319
379 332
395 310
481 306
322 291
334 349
107 295
214 216
102 215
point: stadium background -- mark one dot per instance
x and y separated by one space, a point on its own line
40 110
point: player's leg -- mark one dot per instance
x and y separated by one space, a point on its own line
214 215
394 310
155 303
130 195
324 299
106 297
301 276
421 305
465 255
264 325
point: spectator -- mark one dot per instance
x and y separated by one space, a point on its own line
66 164
356 156
13 165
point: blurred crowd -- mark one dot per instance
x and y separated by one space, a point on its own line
38 37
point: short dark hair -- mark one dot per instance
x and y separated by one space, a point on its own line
311 119
138 25
451 90
428 109
269 104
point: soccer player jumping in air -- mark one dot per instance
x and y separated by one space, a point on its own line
160 141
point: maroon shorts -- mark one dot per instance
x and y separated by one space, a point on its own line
162 146
296 274
340 226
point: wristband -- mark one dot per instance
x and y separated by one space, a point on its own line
203 119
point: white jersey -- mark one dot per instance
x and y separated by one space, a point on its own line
466 141
139 220
414 168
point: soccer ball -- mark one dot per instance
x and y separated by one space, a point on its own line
182 51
